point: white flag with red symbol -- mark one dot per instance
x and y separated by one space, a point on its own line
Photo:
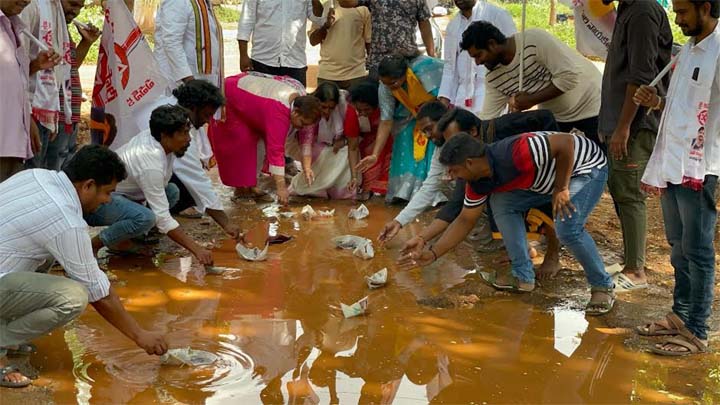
127 77
594 24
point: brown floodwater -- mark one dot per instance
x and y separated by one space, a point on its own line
280 336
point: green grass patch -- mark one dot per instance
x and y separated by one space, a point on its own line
227 14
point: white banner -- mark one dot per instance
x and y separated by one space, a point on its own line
127 77
594 24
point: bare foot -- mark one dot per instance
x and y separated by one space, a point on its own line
548 269
551 263
637 276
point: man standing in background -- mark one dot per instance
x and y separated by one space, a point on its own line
393 28
278 36
344 43
463 82
640 48
15 144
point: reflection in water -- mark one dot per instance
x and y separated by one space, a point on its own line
570 325
280 337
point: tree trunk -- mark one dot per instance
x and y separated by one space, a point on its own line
144 12
553 13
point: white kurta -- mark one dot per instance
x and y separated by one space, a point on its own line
189 168
175 41
463 81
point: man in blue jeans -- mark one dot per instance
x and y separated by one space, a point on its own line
148 158
684 169
519 173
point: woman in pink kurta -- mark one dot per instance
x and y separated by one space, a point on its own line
259 107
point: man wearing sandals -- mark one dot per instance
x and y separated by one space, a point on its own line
41 218
684 170
519 173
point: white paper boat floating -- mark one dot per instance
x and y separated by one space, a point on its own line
187 357
287 214
355 309
378 279
309 213
360 212
365 251
349 242
253 255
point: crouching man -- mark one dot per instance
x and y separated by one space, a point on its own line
149 158
519 173
41 218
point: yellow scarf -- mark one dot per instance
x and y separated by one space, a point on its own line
412 99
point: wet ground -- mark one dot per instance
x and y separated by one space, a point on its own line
432 335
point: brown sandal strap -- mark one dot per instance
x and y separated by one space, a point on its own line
693 345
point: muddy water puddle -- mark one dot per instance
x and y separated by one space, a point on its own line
280 337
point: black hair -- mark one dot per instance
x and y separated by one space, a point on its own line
327 91
365 92
393 66
168 119
465 120
714 6
460 148
307 106
199 93
433 110
95 162
479 33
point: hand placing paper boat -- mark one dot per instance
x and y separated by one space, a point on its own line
378 279
355 309
360 212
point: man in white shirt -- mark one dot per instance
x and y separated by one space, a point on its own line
149 158
201 99
277 28
188 41
463 82
684 169
41 219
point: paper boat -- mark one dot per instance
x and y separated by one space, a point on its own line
287 214
187 357
349 242
308 212
355 309
360 212
365 251
378 279
253 255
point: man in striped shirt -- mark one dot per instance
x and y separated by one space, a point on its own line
519 173
556 77
41 219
